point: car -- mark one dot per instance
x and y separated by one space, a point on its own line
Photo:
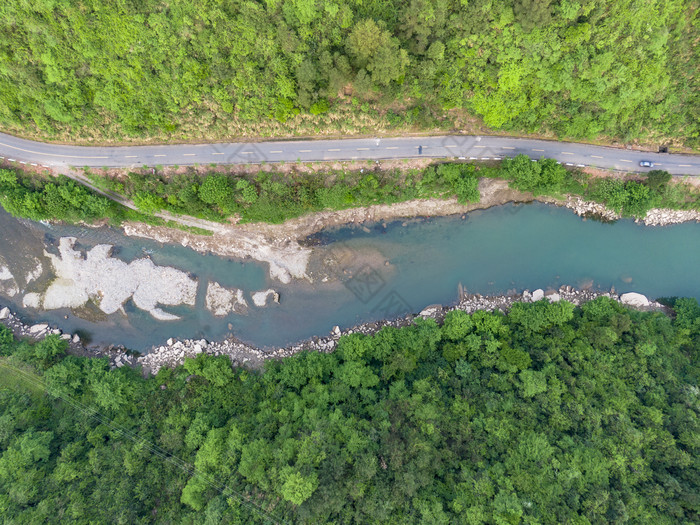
646 164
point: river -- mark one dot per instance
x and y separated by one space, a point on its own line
415 263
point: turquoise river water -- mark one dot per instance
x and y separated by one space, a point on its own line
502 249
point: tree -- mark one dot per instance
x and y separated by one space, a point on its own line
297 488
218 190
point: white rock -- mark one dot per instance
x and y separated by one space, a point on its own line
336 330
110 282
66 337
553 298
260 298
76 338
5 313
537 295
35 329
31 300
222 301
170 341
197 349
634 299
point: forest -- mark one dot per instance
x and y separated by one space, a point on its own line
126 70
548 414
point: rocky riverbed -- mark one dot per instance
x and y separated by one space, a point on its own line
174 352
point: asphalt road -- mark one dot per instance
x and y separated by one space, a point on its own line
451 146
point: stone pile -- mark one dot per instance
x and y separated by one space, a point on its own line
174 352
35 331
590 209
662 217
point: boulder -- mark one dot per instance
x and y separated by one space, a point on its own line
170 341
37 328
5 313
76 338
537 295
634 299
336 330
554 297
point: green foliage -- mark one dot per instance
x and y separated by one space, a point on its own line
550 414
623 68
542 177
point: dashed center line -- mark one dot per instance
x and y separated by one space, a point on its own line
566 153
451 146
304 151
392 147
507 147
597 156
130 156
479 146
362 149
159 155
188 154
218 153
277 151
334 149
246 152
684 165
537 150
623 160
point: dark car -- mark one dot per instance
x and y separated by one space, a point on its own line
646 164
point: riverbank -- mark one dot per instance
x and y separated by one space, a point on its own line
283 246
173 352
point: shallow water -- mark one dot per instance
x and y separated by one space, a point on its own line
512 247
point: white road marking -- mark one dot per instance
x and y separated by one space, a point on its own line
392 147
362 149
537 150
596 157
50 154
276 151
188 154
684 165
623 160
131 156
479 146
159 155
566 153
451 146
334 149
218 153
304 151
507 147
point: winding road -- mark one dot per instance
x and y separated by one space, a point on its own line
451 146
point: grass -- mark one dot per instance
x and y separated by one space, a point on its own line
20 377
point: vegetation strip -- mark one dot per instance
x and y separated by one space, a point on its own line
551 413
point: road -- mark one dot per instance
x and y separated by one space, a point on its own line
470 147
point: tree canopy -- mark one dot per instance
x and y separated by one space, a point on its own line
120 69
550 414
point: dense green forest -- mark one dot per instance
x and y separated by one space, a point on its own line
116 69
550 414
